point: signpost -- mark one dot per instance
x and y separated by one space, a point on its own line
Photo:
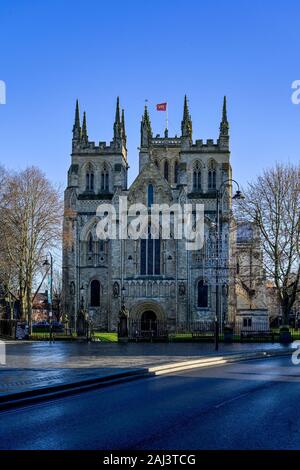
22 331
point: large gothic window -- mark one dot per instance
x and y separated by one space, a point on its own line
202 294
150 195
166 170
95 293
150 255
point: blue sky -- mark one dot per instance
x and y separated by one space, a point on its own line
55 51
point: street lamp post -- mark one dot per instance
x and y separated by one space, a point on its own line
84 318
123 296
50 300
81 297
219 196
85 315
123 319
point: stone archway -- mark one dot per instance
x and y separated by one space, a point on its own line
147 320
138 310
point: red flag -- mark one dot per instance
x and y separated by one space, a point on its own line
161 107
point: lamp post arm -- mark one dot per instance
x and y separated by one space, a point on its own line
229 180
40 285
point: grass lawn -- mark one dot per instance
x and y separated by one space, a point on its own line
106 337
45 336
181 337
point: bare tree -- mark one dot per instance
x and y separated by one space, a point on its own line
273 203
8 272
31 214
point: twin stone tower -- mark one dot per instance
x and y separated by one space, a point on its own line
163 285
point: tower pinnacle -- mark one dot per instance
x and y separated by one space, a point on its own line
76 127
124 137
224 127
146 130
84 134
186 123
118 125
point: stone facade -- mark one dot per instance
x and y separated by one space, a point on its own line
174 284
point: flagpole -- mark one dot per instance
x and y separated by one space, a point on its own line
167 120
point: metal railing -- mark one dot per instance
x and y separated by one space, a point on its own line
8 328
150 329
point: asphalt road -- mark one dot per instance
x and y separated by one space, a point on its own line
248 405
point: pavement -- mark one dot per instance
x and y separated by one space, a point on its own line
245 405
45 367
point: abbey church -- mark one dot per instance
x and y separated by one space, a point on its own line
158 281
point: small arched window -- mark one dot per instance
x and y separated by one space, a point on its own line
105 179
95 293
166 170
72 288
212 175
89 180
176 168
197 177
150 195
90 243
202 294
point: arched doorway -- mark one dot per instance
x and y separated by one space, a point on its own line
149 323
147 320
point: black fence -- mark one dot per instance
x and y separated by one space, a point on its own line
8 328
206 331
256 332
147 330
161 330
156 330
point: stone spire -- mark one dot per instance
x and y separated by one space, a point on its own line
76 127
224 127
84 134
118 125
124 137
146 130
186 123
